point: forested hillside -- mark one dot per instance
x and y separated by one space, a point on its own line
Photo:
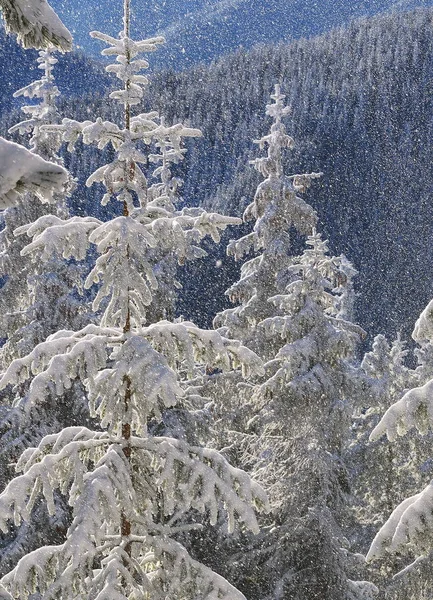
166 445
362 109
198 30
362 112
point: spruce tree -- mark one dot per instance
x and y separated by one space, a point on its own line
35 298
294 427
132 493
407 532
33 302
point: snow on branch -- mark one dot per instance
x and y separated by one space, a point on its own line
187 343
52 235
96 497
94 468
22 171
57 362
55 464
145 575
125 49
415 409
202 479
279 196
69 129
410 525
4 595
423 331
127 276
142 373
179 231
189 577
36 24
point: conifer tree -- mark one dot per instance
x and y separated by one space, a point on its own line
381 474
278 212
34 300
408 530
132 493
293 313
33 303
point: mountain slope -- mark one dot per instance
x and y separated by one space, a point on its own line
198 30
362 112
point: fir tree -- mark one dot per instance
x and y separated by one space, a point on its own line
131 493
34 300
32 303
296 421
408 530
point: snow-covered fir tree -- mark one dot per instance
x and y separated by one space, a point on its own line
387 378
296 419
34 299
408 530
382 474
278 212
132 494
33 303
306 399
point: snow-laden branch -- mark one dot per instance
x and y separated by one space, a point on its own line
36 24
179 231
414 410
423 331
142 373
189 576
54 236
93 467
22 171
187 343
187 477
55 464
95 497
125 49
58 361
43 112
202 479
410 525
123 268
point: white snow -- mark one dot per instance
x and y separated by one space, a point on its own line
22 171
415 409
36 24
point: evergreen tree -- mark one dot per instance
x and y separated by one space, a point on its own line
388 377
408 530
382 474
293 312
277 211
132 493
34 300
